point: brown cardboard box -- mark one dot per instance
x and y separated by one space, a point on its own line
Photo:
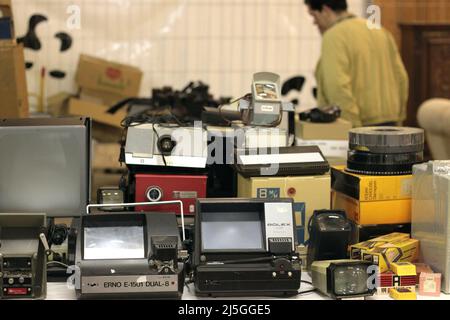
337 130
99 97
106 77
58 104
106 127
106 156
97 112
13 86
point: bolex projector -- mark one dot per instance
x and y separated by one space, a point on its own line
129 255
245 247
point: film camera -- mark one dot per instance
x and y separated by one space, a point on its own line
263 107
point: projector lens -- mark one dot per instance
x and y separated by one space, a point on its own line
350 280
166 145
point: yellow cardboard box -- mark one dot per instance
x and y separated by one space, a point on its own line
406 250
373 212
371 188
403 268
309 193
356 249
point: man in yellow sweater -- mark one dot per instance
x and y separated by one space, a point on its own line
360 68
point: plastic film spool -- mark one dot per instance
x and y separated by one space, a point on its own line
387 140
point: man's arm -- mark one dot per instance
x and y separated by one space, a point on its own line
337 80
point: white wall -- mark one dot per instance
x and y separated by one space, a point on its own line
221 42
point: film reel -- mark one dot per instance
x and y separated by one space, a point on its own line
382 164
387 140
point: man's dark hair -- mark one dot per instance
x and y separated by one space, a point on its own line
335 5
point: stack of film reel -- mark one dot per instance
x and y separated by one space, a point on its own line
385 150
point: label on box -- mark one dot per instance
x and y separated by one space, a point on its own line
429 285
329 148
279 222
268 193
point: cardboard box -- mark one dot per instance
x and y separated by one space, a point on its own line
430 284
389 280
367 246
372 212
406 250
403 268
13 86
99 97
108 77
106 127
97 112
58 104
371 188
309 193
106 156
403 294
337 130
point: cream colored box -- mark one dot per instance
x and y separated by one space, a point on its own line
337 130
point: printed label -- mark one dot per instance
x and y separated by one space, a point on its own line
129 284
268 193
279 222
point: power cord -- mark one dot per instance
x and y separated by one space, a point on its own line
59 263
307 291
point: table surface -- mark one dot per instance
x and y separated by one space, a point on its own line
61 291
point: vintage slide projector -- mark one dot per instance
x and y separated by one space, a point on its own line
23 258
245 247
129 255
385 150
344 279
166 145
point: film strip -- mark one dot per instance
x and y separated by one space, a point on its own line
385 150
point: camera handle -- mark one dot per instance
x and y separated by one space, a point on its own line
89 206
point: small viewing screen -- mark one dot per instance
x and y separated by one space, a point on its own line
350 280
114 243
266 91
232 231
